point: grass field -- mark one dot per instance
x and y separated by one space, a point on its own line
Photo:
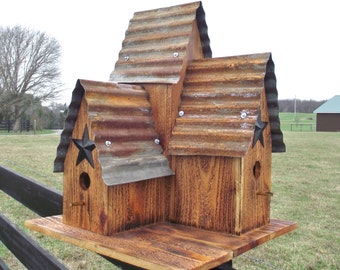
298 121
306 186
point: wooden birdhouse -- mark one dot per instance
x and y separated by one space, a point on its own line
176 138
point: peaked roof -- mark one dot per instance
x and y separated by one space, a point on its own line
220 98
330 106
220 103
156 42
123 129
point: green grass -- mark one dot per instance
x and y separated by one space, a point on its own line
306 186
33 156
298 121
31 132
305 182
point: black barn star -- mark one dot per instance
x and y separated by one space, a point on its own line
85 147
259 127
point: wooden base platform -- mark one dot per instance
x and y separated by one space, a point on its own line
164 245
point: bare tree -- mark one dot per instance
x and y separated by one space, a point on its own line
29 70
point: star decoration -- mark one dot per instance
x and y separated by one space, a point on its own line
85 147
259 128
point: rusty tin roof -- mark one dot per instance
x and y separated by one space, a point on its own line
216 93
219 106
123 129
156 43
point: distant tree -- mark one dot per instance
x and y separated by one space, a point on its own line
29 70
301 106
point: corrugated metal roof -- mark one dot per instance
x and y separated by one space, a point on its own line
330 106
123 129
220 102
155 44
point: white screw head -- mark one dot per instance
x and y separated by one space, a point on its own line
180 113
157 141
244 114
107 143
176 54
126 58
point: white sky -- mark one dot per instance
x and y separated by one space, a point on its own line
303 36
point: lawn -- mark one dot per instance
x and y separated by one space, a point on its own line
306 187
298 121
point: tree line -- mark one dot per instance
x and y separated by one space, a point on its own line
30 76
299 106
29 72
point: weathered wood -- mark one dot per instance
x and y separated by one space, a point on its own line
150 247
25 249
255 179
164 245
50 201
77 209
42 200
204 193
138 203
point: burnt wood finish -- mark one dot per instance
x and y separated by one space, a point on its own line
253 189
77 209
137 204
14 185
204 194
215 123
164 245
124 205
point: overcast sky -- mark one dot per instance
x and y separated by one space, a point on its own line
302 35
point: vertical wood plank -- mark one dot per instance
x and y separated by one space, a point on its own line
205 192
139 203
84 208
256 197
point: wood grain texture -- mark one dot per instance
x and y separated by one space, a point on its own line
165 98
254 203
136 204
108 209
164 245
204 192
84 208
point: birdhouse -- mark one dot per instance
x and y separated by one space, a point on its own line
176 137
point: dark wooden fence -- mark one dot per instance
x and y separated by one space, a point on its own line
45 202
25 125
6 125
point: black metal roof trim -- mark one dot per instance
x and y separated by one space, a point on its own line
70 121
273 108
203 30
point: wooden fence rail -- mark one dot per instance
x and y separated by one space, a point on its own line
45 202
8 125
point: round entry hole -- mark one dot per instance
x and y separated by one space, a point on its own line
257 169
84 181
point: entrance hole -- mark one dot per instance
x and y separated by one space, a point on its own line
84 181
257 169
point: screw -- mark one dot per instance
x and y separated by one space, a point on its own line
180 113
126 58
243 114
176 54
157 141
107 143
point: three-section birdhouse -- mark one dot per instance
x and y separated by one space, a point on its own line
176 136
